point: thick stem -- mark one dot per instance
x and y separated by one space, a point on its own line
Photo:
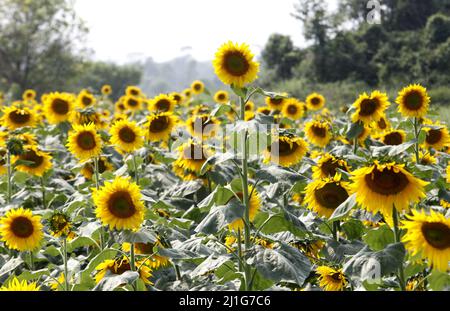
132 262
136 172
31 261
401 274
97 186
416 134
355 145
239 245
66 270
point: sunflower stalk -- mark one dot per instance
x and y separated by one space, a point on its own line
97 186
132 263
9 175
44 201
66 270
401 276
136 172
416 135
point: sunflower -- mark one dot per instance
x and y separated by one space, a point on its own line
192 156
382 124
119 106
133 91
120 265
413 101
187 93
85 99
21 230
293 109
249 106
35 161
17 117
393 137
249 115
84 142
126 136
318 133
234 64
365 133
286 151
370 107
199 109
3 169
132 103
159 126
58 107
156 261
184 174
424 158
380 187
177 97
202 125
197 87
276 103
428 235
448 172
315 101
331 279
264 110
163 103
88 116
221 97
29 95
15 285
324 195
103 166
437 138
60 225
327 166
106 89
254 205
119 204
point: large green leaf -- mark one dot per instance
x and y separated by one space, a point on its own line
274 174
111 281
379 238
220 216
342 210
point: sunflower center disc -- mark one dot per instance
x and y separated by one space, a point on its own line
159 124
86 141
121 205
437 234
60 106
86 100
413 101
22 227
386 182
144 248
393 139
329 167
127 135
382 124
276 101
433 136
292 109
315 101
221 97
331 195
31 156
163 105
132 102
319 131
368 107
284 148
19 118
236 64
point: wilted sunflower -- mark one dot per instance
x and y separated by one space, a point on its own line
293 109
155 261
15 285
315 101
133 91
370 107
318 132
132 103
324 195
380 187
29 95
58 107
15 117
159 126
221 97
163 103
202 125
21 230
119 204
103 165
276 103
33 161
286 151
331 279
127 136
120 265
106 89
413 101
85 99
429 236
192 156
177 97
437 138
234 64
327 166
60 225
197 87
84 142
393 137
254 205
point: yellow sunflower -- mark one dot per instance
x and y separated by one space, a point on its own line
254 206
119 204
324 195
286 151
60 225
103 166
197 87
156 261
84 142
327 166
437 138
21 230
184 174
192 156
293 109
249 106
85 99
234 64
413 101
133 91
393 137
264 110
315 101
221 97
429 236
127 136
159 126
119 106
106 89
177 97
380 187
425 158
276 103
15 285
17 117
382 124
132 103
163 103
331 279
37 161
370 107
187 93
318 133
120 265
448 172
29 95
58 107
202 125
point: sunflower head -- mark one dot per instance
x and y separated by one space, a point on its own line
162 103
331 279
85 99
177 97
393 137
192 156
370 107
264 110
33 161
315 101
254 206
58 107
328 166
15 285
197 87
155 261
202 125
106 89
413 101
286 151
221 97
103 165
293 109
318 132
84 142
15 117
276 102
120 265
160 125
132 103
29 95
133 91
60 225
437 137
126 136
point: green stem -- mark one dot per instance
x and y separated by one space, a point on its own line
132 262
416 134
9 174
136 173
66 270
31 261
401 274
335 229
97 186
355 145
239 245
44 201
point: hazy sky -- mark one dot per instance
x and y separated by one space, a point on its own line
123 30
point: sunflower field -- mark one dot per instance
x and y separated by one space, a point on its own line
233 189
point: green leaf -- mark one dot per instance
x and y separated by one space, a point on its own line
10 265
355 130
78 242
391 151
379 238
112 281
209 264
439 280
220 216
241 92
220 110
342 210
142 236
353 228
227 272
216 159
274 174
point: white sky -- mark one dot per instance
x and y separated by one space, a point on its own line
123 30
